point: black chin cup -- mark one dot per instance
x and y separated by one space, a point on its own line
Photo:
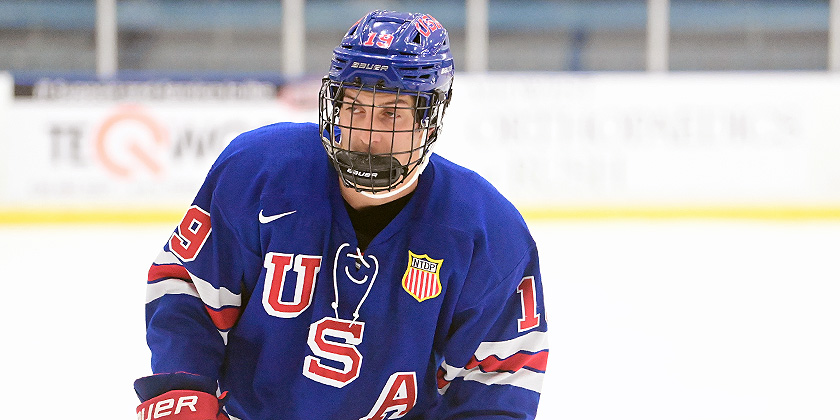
365 171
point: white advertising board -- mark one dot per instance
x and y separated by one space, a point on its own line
100 155
547 141
6 94
651 139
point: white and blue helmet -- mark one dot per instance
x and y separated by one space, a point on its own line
393 53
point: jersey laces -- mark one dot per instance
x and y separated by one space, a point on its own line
360 260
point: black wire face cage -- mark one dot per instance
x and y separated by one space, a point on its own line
374 153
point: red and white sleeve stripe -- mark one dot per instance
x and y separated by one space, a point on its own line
518 362
167 276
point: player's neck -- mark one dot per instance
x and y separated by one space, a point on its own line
361 201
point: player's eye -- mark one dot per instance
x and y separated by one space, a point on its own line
354 108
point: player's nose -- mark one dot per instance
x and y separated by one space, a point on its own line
374 139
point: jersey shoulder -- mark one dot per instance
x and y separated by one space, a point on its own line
280 161
465 196
463 200
279 143
266 154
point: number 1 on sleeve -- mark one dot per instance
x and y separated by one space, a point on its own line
528 297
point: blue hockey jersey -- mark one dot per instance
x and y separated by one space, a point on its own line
262 287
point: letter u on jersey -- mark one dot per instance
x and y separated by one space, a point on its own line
277 267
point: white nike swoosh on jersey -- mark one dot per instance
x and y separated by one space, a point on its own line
267 219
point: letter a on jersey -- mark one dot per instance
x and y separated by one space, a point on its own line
422 277
397 398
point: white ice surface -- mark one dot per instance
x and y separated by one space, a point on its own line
675 320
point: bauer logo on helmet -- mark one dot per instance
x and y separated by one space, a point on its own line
369 66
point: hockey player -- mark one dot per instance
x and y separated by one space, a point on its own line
344 271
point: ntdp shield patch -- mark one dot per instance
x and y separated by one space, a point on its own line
422 277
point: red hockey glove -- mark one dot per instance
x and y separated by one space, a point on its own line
178 396
181 405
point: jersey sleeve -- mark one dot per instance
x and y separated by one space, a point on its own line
496 355
194 293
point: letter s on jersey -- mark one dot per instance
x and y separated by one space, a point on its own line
345 353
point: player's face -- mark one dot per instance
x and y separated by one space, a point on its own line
380 123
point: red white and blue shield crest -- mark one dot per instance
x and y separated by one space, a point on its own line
422 277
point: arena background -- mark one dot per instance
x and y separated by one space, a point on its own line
678 163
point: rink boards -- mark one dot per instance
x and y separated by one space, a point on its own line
559 145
